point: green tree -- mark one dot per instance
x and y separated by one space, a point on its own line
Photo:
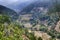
39 38
31 36
4 19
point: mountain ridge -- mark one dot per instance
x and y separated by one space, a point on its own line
7 11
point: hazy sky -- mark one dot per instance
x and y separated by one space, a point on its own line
12 1
15 1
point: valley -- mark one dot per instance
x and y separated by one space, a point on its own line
36 21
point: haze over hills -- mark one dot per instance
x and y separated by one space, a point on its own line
18 5
38 11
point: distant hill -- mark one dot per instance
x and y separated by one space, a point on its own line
36 4
9 12
39 11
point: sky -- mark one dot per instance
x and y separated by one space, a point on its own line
6 2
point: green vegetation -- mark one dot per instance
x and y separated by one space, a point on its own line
39 38
12 30
4 19
43 28
31 36
54 14
8 30
55 10
54 34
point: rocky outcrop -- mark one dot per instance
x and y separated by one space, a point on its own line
43 35
57 28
